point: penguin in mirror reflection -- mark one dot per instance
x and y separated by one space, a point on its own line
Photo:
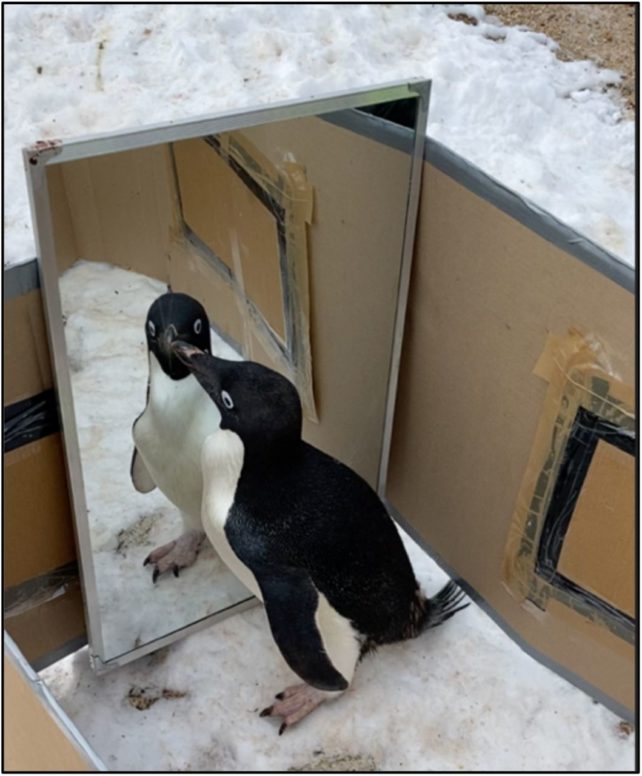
306 534
169 433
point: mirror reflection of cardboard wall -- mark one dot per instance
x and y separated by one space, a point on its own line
130 209
485 293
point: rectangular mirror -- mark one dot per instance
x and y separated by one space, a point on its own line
293 226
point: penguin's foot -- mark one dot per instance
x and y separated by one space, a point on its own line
175 555
295 703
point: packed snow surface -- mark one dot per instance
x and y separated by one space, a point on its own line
548 129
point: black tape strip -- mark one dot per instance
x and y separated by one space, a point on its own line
31 419
599 695
587 430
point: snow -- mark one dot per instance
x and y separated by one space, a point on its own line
551 130
460 697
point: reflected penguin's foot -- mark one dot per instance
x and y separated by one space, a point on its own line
295 703
176 555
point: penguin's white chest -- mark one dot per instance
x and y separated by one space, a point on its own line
222 462
170 434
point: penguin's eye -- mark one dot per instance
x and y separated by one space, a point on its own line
198 325
227 400
151 328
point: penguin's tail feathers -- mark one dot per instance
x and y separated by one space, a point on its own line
444 604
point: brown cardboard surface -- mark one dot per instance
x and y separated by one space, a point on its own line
485 292
353 264
604 518
122 209
44 628
38 530
33 740
26 352
218 207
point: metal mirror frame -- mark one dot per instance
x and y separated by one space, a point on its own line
40 155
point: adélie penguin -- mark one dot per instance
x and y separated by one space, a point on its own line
169 433
305 533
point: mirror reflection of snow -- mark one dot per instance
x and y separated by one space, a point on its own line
104 309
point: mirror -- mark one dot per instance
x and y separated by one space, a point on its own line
293 227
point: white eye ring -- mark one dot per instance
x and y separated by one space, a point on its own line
151 328
198 325
227 400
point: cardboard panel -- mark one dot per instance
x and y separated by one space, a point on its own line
26 352
33 740
122 209
220 208
38 530
603 529
349 246
64 234
45 629
482 301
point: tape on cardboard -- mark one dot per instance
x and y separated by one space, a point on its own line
585 440
30 419
285 192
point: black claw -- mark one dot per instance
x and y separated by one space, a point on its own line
175 570
279 696
266 712
282 728
155 575
147 560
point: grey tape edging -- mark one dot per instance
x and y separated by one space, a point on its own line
488 188
528 214
19 279
545 660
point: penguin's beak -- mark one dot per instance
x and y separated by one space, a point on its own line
201 364
167 338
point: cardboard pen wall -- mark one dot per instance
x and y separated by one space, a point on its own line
497 288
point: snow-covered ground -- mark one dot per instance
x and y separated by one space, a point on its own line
546 128
460 697
463 696
105 308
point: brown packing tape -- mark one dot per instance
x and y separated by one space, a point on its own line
583 376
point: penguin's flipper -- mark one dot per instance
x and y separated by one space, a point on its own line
140 475
291 601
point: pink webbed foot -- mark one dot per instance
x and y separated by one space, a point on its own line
175 555
295 703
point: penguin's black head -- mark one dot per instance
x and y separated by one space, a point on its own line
176 317
255 402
